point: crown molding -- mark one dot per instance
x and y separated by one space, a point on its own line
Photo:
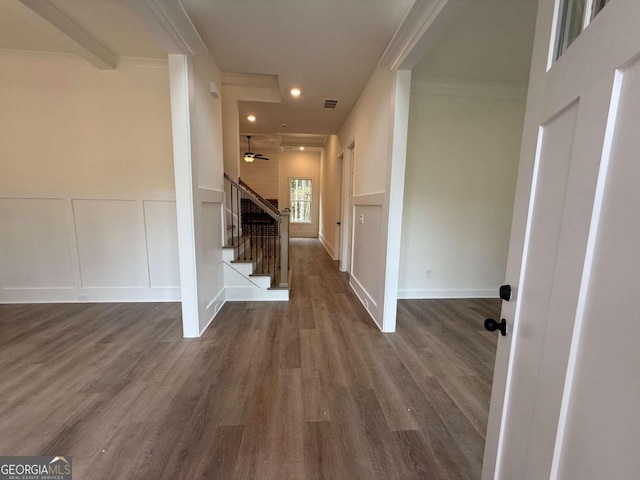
255 80
38 56
171 24
461 88
421 26
140 62
72 58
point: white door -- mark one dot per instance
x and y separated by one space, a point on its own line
566 397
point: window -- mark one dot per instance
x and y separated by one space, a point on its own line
575 16
300 197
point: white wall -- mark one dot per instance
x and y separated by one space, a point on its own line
262 176
330 177
210 169
198 166
237 87
297 164
462 164
87 202
377 128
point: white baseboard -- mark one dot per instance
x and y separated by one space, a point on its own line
89 295
330 250
368 302
217 303
406 294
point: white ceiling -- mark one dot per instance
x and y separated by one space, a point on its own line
490 40
328 48
109 21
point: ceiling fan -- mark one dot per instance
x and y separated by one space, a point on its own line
249 156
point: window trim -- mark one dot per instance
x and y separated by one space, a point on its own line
310 201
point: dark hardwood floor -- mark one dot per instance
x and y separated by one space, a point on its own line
308 389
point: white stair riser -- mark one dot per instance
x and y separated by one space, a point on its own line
262 281
245 269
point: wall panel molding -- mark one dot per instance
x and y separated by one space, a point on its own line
370 199
28 273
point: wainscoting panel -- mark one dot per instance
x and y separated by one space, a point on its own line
367 247
64 247
34 245
367 256
111 243
210 275
162 243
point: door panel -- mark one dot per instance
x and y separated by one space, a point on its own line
557 138
601 405
567 274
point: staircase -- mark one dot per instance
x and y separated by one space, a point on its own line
256 254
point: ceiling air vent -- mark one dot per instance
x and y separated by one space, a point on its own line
330 103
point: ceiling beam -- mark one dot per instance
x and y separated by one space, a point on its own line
86 45
422 25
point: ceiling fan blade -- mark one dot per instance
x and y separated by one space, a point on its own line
260 157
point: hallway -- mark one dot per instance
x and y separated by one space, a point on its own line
299 390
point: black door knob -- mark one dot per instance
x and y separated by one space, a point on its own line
493 325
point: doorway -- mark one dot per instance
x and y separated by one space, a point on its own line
346 202
464 146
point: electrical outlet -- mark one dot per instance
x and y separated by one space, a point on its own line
83 298
428 273
361 218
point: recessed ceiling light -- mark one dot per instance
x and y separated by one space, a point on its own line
296 92
301 148
251 118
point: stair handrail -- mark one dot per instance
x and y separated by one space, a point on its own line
256 194
266 206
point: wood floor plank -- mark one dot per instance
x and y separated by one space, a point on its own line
308 389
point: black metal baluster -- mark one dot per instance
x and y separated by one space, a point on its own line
239 219
276 237
251 242
262 245
231 195
268 253
244 234
275 249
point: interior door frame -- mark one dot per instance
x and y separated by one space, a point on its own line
346 207
337 254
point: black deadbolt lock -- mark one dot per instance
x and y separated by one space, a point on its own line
505 292
493 325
